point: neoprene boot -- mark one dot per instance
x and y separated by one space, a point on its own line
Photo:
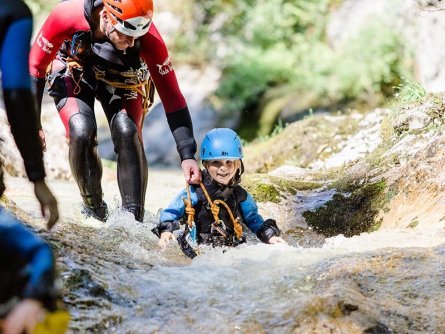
137 210
94 207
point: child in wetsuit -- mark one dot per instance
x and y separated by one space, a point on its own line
219 204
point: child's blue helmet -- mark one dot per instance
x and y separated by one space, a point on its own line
221 144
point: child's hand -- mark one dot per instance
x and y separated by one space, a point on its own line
164 239
276 240
23 317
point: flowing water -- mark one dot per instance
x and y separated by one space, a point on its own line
117 280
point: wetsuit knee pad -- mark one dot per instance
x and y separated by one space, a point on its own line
82 129
123 129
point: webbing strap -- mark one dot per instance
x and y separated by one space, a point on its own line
144 87
214 208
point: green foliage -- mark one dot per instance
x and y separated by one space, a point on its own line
250 74
269 42
266 44
374 60
277 129
409 91
39 7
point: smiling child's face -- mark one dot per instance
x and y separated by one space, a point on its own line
222 171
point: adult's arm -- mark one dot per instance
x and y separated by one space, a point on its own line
65 19
19 103
154 52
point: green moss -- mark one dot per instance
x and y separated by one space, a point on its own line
265 188
261 189
266 193
349 214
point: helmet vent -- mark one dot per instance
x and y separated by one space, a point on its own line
146 26
117 9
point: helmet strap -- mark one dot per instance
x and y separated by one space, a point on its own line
109 31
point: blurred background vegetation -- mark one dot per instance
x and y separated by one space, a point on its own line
276 60
276 55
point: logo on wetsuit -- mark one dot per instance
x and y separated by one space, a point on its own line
44 44
166 67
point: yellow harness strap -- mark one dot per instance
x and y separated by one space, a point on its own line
144 87
214 208
189 208
70 65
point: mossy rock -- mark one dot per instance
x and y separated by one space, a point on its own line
349 214
265 188
300 143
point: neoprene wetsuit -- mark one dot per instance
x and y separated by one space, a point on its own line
15 34
26 261
67 38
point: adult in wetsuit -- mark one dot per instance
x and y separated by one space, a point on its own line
15 34
105 50
26 262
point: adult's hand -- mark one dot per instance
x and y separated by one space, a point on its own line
47 202
42 139
191 170
23 318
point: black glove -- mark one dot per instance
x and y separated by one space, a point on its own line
268 230
167 226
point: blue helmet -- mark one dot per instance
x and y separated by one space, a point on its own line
221 144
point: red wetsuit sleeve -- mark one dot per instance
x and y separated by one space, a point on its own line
66 18
154 52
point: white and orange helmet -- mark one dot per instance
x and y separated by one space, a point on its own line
130 17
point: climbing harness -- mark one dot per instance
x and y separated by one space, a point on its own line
217 225
136 80
192 237
72 66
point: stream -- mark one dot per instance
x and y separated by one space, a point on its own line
117 280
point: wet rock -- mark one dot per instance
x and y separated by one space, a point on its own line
378 329
346 308
349 214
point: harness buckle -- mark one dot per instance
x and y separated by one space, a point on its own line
220 227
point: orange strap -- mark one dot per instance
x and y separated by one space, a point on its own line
214 208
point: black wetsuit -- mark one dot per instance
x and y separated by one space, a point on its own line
26 261
15 34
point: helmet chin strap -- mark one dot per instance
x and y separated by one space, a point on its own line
108 32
